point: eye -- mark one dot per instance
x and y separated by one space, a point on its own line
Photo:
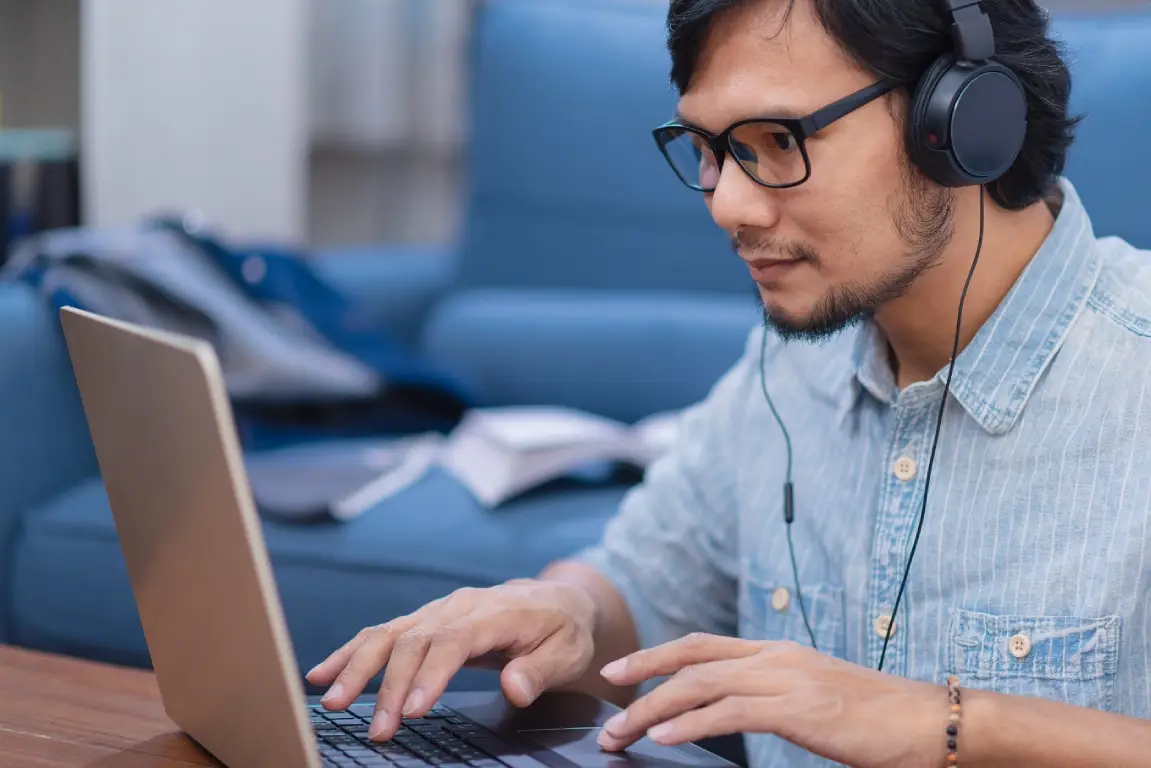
784 140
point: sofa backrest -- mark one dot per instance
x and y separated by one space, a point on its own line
565 185
1110 162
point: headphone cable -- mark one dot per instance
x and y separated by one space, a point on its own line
938 429
788 488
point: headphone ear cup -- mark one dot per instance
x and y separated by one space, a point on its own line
918 144
967 123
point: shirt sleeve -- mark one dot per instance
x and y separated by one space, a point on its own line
672 549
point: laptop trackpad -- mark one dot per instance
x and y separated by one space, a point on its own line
578 746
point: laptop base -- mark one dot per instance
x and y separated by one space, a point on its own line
482 730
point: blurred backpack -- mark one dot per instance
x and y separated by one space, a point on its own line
298 362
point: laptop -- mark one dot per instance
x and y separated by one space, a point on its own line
167 447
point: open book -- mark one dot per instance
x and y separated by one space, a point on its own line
498 453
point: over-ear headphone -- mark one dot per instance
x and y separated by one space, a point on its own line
968 114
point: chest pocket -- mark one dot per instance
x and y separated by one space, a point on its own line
1066 659
770 611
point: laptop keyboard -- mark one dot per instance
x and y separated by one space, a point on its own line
441 738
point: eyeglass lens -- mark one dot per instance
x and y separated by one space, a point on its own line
768 151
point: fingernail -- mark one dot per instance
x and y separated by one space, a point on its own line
661 732
615 668
616 722
377 726
414 702
520 680
333 693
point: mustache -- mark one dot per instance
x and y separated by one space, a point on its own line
743 243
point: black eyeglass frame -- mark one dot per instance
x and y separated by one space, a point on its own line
800 128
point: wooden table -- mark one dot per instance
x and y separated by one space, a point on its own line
56 711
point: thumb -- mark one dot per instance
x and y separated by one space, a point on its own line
554 662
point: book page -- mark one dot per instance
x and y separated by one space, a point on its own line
533 428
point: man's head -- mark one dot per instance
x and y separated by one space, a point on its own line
867 222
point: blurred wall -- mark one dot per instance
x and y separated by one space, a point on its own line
196 104
387 85
39 63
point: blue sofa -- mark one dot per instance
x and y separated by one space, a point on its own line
586 276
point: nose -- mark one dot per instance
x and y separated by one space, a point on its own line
738 201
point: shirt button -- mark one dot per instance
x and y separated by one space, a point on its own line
904 468
780 598
883 626
1020 645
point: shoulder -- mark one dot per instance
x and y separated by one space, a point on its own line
1122 294
1108 345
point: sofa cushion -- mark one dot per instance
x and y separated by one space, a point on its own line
71 592
392 286
624 355
44 444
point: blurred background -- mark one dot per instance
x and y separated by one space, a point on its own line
318 121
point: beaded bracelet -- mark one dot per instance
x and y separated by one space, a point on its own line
953 721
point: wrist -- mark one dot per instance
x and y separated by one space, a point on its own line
979 731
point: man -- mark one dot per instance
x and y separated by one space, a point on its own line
1029 581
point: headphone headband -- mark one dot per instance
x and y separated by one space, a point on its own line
971 30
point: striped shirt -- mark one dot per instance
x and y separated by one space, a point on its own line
1031 576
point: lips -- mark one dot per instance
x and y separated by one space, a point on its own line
764 270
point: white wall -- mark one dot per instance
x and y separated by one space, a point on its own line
196 104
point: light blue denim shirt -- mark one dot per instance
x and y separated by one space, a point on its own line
1032 574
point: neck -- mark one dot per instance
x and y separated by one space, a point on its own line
920 325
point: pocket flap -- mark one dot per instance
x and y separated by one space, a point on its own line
1038 647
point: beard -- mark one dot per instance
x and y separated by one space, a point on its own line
922 215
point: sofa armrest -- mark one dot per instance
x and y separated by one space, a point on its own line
625 355
394 286
45 448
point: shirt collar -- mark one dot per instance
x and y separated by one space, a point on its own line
997 372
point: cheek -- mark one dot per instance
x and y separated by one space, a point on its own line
845 213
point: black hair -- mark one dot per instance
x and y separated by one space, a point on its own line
901 38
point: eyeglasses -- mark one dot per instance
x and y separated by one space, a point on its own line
772 151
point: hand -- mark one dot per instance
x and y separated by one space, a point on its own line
540 633
836 709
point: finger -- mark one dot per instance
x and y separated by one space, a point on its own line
689 689
366 660
671 657
325 672
559 659
734 714
407 655
449 649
